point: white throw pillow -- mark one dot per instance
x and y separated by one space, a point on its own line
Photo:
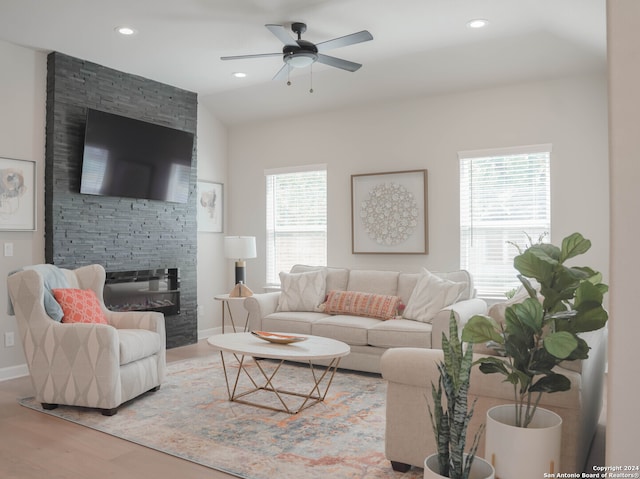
430 295
302 291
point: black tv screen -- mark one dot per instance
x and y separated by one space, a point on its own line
135 159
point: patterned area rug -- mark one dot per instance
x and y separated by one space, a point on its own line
190 417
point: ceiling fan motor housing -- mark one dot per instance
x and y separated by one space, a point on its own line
300 55
299 28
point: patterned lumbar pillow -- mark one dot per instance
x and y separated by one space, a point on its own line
430 295
302 291
79 306
356 303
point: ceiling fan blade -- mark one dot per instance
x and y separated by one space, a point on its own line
338 63
259 55
359 37
282 34
282 73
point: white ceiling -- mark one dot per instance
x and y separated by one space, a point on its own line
419 46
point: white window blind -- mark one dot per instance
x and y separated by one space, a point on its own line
296 219
504 196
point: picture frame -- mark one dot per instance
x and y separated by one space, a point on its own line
389 213
210 207
17 195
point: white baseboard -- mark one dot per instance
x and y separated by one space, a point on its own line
205 333
13 372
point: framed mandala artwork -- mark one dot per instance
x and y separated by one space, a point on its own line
389 212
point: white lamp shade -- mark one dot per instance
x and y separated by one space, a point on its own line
240 247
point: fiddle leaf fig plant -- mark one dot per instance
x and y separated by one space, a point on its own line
544 329
450 420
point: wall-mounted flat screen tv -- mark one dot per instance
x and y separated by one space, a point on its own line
135 159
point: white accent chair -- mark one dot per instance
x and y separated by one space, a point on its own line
91 365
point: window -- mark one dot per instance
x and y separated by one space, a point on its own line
296 219
504 196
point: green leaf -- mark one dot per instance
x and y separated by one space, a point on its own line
560 344
481 329
574 245
528 286
492 365
528 313
535 264
588 292
589 318
581 352
551 384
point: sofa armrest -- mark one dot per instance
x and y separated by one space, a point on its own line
260 305
463 311
411 366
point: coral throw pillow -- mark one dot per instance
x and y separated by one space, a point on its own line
378 306
79 306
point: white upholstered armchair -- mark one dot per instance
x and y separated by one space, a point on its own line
86 364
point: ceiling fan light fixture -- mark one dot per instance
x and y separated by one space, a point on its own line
300 59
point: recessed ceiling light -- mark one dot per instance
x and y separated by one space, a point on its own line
127 31
239 74
477 23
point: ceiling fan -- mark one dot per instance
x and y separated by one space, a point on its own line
299 53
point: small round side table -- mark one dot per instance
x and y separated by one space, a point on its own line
226 302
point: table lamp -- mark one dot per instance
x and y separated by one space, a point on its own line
240 248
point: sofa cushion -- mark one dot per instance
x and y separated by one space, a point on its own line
430 295
352 330
79 305
400 333
137 344
336 278
407 282
370 281
460 276
302 291
371 305
291 322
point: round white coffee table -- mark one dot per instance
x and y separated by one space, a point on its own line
313 348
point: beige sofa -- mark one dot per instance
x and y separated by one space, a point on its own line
368 337
410 373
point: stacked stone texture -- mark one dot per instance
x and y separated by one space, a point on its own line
122 234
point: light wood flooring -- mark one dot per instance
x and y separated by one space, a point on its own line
37 446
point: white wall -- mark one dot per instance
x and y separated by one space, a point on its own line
624 325
22 128
570 113
212 266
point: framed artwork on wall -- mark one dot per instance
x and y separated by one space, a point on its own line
389 213
210 206
17 195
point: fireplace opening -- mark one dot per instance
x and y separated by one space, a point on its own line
143 290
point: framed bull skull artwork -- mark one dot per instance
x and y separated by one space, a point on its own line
17 195
210 205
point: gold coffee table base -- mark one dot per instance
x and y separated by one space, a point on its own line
265 382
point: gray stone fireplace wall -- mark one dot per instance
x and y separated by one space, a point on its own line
120 233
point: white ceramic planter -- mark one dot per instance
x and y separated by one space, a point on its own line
480 469
522 453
